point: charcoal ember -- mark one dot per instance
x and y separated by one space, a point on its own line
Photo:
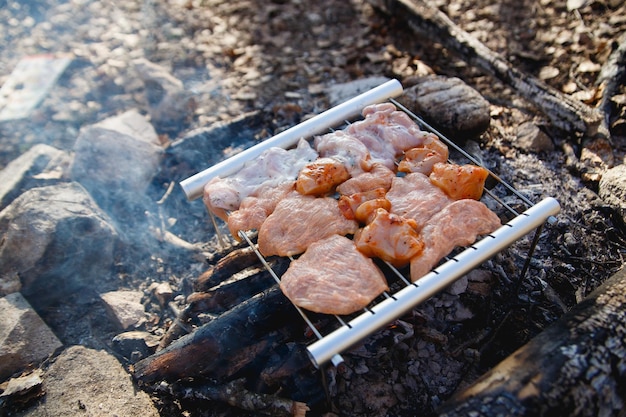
22 390
24 337
449 104
57 240
41 165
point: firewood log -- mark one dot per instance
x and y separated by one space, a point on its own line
564 112
220 348
576 367
233 262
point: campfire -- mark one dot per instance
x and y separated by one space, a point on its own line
127 286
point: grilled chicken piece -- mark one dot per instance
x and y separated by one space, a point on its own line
348 204
299 220
379 177
254 209
415 197
345 148
460 181
321 176
458 224
389 237
333 277
273 167
423 159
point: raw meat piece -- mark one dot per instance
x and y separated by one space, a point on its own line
389 237
458 224
298 221
379 177
387 133
273 167
255 208
333 277
321 176
423 159
460 181
415 197
345 148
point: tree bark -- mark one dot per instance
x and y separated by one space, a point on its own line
576 367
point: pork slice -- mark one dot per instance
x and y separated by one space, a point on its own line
333 277
255 208
347 149
300 220
272 168
458 224
415 197
379 177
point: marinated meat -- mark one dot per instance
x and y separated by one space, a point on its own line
255 208
458 224
273 167
299 220
460 181
389 237
415 197
333 277
379 177
345 148
387 133
321 176
348 204
365 211
423 159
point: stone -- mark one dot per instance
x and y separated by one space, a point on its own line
163 292
612 189
135 345
170 105
452 106
83 381
124 307
24 338
531 138
114 165
41 165
57 240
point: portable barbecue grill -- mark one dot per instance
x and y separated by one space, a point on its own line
407 295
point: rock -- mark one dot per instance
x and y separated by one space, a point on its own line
90 382
115 160
170 105
22 389
135 345
612 189
24 337
163 292
124 307
532 139
57 240
449 104
338 93
39 166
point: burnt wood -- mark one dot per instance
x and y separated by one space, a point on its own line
576 367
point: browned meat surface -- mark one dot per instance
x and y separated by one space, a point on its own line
423 159
298 221
458 224
254 209
348 204
389 237
415 197
333 277
379 177
460 181
321 176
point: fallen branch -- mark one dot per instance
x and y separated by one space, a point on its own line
576 367
564 112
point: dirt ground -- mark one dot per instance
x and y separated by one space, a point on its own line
279 57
